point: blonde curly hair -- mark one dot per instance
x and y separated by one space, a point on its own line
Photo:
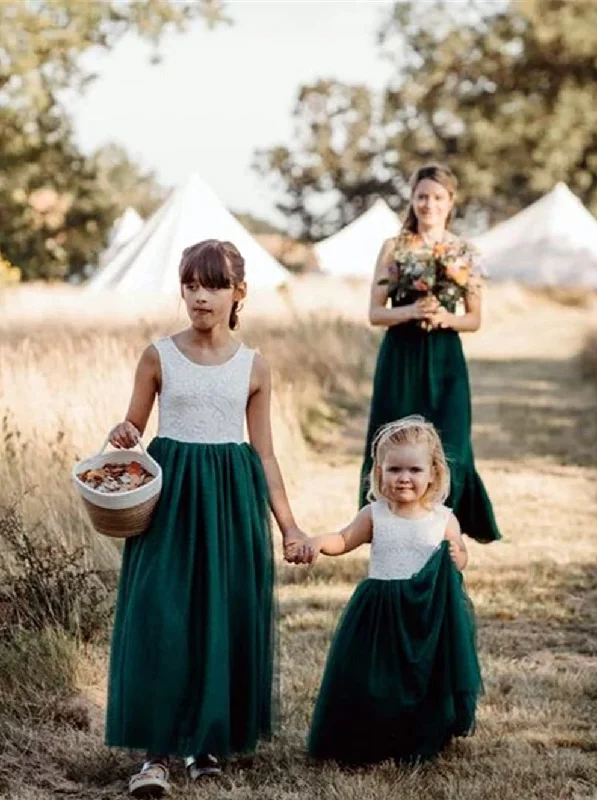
411 430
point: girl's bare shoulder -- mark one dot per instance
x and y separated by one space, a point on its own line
261 373
261 364
150 356
150 364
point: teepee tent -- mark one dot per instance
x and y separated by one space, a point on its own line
552 242
125 227
354 249
123 230
149 261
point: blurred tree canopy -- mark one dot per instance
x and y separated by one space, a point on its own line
125 181
255 225
56 203
504 92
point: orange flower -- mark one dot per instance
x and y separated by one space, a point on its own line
458 272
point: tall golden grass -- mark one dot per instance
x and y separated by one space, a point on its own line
67 362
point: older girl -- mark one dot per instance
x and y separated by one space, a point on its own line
192 651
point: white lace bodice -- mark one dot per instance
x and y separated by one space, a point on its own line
203 404
401 547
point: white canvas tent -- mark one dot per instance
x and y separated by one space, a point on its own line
123 230
354 249
553 242
149 261
125 227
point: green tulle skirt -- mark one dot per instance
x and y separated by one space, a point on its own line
192 660
420 372
402 676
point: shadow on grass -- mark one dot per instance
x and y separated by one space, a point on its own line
522 408
541 606
533 407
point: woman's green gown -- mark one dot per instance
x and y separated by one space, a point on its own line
424 372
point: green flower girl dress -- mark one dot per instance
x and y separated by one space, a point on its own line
192 652
402 676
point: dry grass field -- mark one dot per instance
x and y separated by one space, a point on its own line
66 366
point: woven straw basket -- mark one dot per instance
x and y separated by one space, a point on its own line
124 514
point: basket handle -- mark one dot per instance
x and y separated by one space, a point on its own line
139 442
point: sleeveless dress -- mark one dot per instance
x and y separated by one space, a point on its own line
191 668
402 676
425 372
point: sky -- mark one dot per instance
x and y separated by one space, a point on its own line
217 96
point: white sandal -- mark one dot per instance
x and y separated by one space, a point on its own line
202 766
151 781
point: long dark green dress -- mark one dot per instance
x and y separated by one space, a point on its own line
402 675
191 668
424 372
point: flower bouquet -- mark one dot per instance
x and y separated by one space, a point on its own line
443 270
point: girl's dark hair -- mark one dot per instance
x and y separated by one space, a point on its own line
215 265
435 172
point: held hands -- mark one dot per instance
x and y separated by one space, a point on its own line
124 435
298 548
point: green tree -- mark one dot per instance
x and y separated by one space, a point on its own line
255 225
507 97
325 180
504 92
56 204
126 182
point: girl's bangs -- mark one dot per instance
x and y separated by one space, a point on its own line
208 267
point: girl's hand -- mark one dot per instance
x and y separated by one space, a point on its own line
124 435
297 547
304 552
456 545
424 308
455 552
